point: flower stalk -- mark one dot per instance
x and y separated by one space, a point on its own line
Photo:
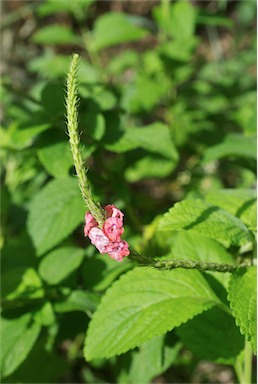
186 264
72 101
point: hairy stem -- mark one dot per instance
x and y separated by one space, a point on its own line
187 264
72 101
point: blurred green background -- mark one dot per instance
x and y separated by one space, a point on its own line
167 110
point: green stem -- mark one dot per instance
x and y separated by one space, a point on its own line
187 264
247 369
72 126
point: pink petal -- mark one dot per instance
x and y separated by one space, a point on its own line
90 223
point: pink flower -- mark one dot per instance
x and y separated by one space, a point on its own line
119 250
108 239
90 223
113 228
112 211
98 239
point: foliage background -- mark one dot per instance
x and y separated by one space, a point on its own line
167 111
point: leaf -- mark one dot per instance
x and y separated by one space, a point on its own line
76 6
208 220
22 283
22 135
98 272
144 93
153 358
49 65
233 145
142 304
55 34
239 202
78 301
148 167
60 263
193 246
179 21
52 99
42 366
115 28
54 213
188 245
44 315
242 297
153 138
56 159
17 338
213 335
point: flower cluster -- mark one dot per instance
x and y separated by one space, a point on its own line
108 239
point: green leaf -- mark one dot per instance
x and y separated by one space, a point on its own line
142 304
144 93
52 99
233 145
56 159
42 366
22 283
239 202
193 246
49 65
44 315
188 245
78 301
208 220
153 138
99 272
51 6
17 339
19 136
205 336
55 34
179 21
115 28
152 359
60 263
242 297
149 167
54 213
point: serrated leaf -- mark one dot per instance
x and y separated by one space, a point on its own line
213 335
233 145
54 213
115 28
60 263
239 202
17 339
208 220
142 304
242 297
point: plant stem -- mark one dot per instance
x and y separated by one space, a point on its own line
247 369
187 264
72 126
